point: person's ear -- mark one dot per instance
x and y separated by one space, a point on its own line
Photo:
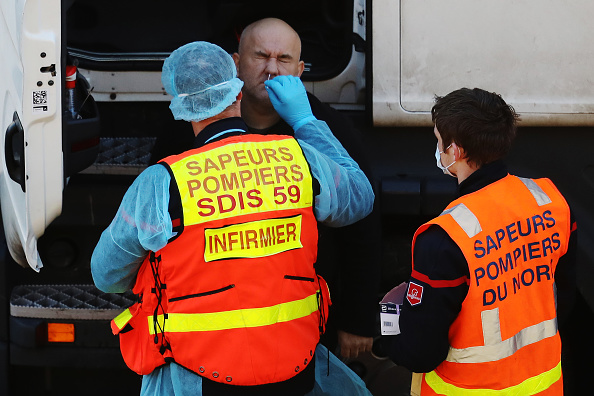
236 60
300 68
239 96
458 152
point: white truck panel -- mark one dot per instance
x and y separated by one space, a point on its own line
536 54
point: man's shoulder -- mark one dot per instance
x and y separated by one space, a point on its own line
155 172
433 238
337 121
438 256
318 106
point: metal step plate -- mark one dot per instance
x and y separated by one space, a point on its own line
67 302
122 156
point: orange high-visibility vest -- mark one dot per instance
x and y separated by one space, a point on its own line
234 297
505 339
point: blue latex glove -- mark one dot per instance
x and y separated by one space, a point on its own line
289 99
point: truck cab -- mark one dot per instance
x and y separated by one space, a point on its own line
71 145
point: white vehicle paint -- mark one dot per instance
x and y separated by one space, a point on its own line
537 54
30 91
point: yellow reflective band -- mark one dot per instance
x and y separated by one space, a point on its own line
123 318
254 239
243 178
531 386
240 318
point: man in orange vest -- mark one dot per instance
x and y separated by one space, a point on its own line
480 314
219 242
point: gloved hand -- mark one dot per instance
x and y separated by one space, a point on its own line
289 99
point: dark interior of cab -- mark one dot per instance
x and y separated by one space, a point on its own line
132 30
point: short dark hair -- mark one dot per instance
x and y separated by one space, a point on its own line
478 121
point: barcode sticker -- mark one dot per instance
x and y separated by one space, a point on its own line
390 310
40 102
389 323
39 97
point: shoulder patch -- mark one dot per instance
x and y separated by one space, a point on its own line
414 295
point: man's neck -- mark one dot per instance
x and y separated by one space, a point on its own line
258 116
231 111
464 170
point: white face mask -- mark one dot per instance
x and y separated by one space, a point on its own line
444 169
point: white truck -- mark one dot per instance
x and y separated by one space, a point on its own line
65 165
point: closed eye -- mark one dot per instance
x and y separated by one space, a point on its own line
262 55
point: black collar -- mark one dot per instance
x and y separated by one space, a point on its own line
220 129
485 175
280 128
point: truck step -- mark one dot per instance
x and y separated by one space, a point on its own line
122 155
84 302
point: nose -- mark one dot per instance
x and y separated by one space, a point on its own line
271 67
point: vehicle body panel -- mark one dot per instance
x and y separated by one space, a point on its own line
538 57
31 50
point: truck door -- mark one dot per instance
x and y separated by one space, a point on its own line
31 174
536 54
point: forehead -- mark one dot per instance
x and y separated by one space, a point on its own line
274 42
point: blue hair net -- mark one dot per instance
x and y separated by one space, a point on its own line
202 79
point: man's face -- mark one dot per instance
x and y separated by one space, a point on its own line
266 53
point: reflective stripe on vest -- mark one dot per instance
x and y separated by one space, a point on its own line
530 386
469 222
495 348
240 318
539 195
465 219
121 320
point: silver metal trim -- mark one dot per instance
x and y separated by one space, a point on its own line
118 56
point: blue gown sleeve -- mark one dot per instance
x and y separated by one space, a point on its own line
141 224
346 195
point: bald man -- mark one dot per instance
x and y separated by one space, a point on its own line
269 48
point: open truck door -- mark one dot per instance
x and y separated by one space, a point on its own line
31 178
539 58
42 144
